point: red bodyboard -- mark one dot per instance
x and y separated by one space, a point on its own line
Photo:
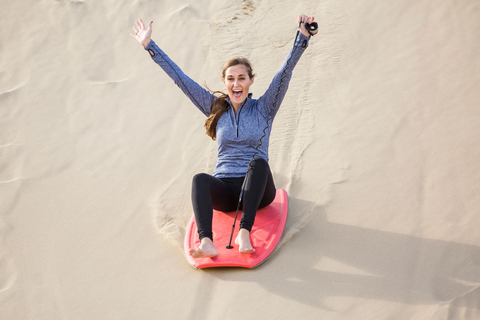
265 236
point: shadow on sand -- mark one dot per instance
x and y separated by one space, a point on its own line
373 265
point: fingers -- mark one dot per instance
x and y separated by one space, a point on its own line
303 18
135 32
140 26
149 28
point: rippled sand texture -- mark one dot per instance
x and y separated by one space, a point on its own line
376 142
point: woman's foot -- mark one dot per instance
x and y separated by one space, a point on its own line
205 249
243 242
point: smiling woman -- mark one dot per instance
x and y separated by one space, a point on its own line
240 125
237 76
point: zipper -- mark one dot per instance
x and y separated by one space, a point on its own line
238 116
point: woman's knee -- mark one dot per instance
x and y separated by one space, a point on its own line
259 164
268 197
200 180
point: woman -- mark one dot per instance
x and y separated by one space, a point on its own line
239 124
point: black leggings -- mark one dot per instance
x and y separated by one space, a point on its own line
222 194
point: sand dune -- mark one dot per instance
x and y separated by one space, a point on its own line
376 144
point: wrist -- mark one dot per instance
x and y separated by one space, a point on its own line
145 42
305 33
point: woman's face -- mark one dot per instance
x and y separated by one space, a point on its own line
237 82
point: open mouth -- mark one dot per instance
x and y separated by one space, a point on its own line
237 93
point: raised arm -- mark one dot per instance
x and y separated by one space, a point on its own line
200 97
275 93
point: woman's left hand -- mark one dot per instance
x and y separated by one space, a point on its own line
302 19
142 33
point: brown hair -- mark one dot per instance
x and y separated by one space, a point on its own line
220 105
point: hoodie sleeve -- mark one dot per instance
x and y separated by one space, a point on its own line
275 93
200 97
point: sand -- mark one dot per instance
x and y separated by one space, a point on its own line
376 143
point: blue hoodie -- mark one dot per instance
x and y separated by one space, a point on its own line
238 135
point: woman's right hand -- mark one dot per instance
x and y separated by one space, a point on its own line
302 19
142 34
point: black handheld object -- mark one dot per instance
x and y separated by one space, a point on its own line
312 28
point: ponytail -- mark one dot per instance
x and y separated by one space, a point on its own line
219 106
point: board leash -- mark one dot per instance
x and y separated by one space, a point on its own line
312 29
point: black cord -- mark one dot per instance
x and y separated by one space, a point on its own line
312 28
270 116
